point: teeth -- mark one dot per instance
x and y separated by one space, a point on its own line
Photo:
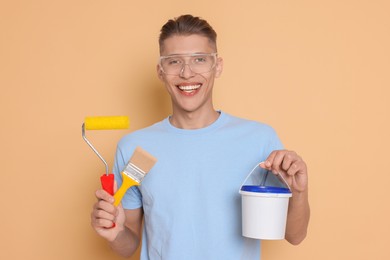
189 88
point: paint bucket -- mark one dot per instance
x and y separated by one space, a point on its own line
264 206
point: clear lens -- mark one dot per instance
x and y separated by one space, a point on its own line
198 63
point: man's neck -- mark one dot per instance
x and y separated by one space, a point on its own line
194 120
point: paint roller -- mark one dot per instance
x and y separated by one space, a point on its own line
104 123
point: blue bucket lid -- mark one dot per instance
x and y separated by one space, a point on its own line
265 189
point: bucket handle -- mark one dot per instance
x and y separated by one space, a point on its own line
257 165
248 176
284 180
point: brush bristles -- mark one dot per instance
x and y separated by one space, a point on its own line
139 164
106 122
142 159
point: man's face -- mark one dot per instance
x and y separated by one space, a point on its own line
190 89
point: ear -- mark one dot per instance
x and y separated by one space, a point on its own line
219 67
159 72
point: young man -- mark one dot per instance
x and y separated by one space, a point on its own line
189 201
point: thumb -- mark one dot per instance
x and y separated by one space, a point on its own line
115 186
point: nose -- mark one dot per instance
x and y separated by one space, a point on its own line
186 71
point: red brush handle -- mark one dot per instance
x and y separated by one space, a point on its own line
108 185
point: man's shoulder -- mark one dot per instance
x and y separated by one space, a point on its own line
236 121
143 133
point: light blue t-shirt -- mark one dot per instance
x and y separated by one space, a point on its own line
192 208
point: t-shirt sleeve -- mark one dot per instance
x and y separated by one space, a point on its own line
274 142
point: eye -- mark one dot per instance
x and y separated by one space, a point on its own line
200 59
173 61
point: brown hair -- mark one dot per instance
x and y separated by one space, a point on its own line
187 25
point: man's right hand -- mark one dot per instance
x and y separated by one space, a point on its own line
105 214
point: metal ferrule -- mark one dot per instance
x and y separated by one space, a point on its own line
134 172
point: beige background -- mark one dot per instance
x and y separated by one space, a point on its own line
317 71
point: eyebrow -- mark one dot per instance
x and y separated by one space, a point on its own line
187 54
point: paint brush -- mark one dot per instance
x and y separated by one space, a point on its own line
140 163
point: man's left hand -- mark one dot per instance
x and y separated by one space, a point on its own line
291 166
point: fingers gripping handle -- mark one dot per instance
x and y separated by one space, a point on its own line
107 181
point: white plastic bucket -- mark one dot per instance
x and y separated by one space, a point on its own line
264 211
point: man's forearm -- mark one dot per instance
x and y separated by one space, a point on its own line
297 218
126 243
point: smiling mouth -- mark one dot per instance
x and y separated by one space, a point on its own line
189 88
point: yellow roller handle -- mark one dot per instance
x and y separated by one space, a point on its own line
126 184
106 122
